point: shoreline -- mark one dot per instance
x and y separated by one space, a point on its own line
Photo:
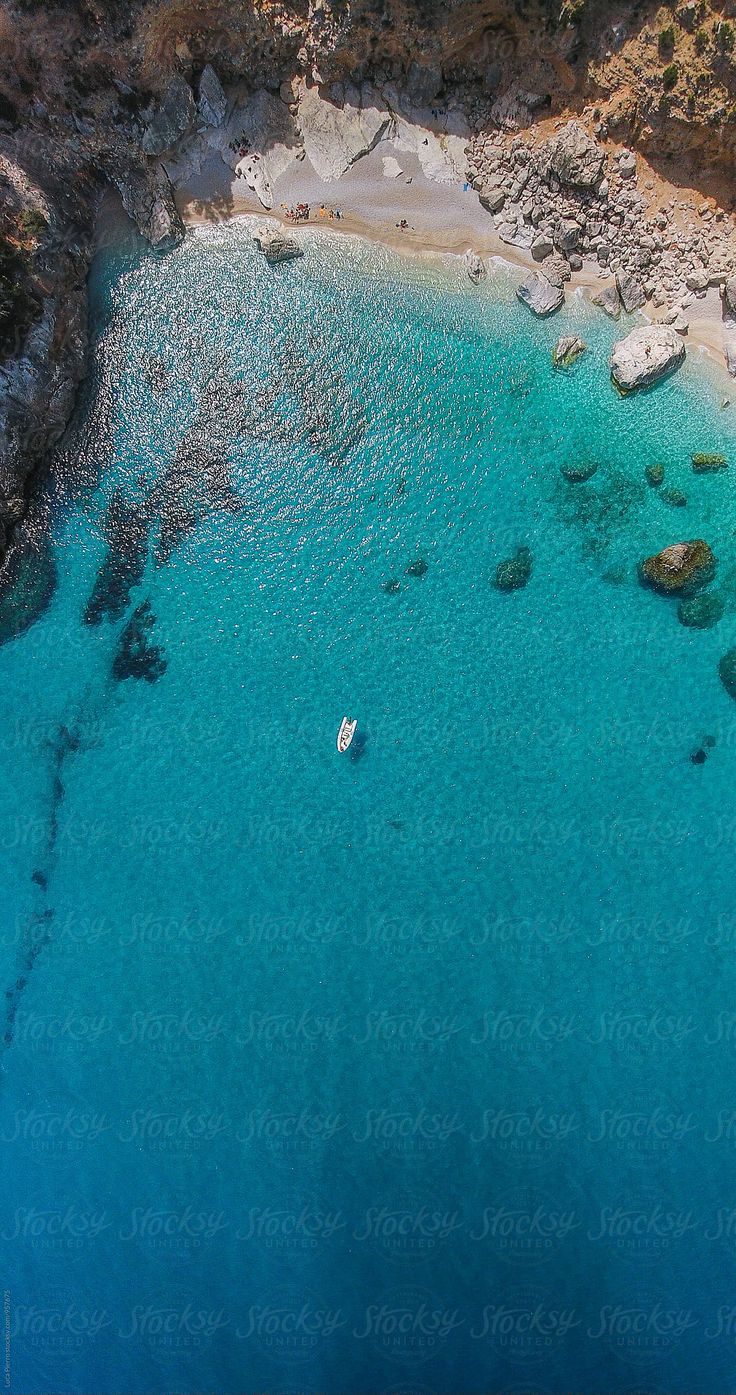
444 220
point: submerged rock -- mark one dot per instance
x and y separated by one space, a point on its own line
727 672
701 612
578 474
645 356
539 294
417 568
277 246
392 586
136 657
654 475
27 584
680 569
475 266
674 497
704 464
126 529
514 572
567 349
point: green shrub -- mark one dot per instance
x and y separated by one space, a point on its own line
670 76
31 224
667 40
702 39
725 37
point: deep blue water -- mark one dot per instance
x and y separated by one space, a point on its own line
405 1073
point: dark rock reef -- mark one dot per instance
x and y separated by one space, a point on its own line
681 569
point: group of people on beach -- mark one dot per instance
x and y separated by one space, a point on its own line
302 212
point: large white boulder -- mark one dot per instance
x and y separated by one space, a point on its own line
645 356
540 294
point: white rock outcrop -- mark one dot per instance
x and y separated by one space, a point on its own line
645 356
540 294
339 126
276 246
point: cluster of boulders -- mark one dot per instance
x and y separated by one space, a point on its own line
567 199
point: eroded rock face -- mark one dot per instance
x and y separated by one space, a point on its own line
539 294
631 291
277 246
337 132
172 119
211 100
574 157
148 199
646 356
681 569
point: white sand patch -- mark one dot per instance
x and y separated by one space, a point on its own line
391 167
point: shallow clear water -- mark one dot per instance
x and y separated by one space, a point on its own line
411 1072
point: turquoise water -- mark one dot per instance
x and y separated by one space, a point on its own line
405 1073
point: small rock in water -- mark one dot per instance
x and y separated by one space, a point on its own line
609 300
701 612
655 475
567 349
475 266
674 497
539 294
514 572
645 356
680 569
391 586
417 568
704 464
699 756
276 246
578 474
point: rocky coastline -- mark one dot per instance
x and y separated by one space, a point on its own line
548 166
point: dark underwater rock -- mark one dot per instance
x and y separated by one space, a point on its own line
136 656
27 584
126 529
514 572
699 756
701 612
704 464
727 672
654 475
674 497
417 568
681 569
391 586
578 474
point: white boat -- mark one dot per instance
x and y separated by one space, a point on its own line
346 733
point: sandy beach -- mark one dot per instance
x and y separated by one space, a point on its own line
442 218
